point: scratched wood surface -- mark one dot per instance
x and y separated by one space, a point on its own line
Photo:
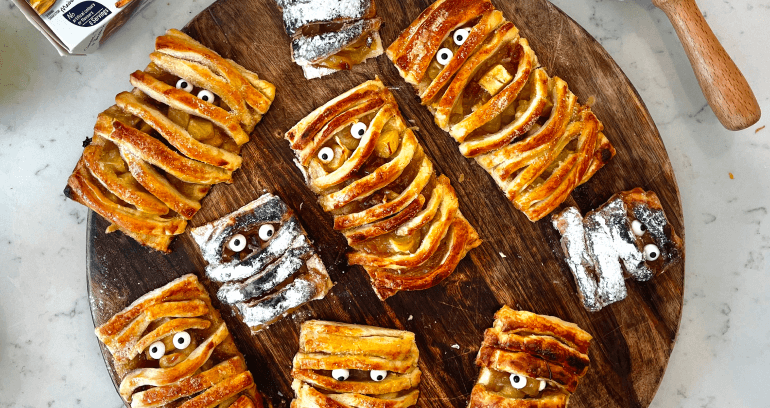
519 264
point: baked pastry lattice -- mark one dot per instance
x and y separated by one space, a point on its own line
401 220
529 360
351 366
628 236
263 260
485 87
171 349
157 152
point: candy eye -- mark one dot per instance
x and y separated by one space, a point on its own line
651 252
340 374
266 231
444 56
184 85
237 243
358 130
461 35
157 350
326 155
541 387
181 340
378 375
206 96
518 381
638 228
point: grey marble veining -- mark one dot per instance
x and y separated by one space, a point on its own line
49 356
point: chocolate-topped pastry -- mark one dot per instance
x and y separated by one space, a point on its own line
628 236
263 258
331 35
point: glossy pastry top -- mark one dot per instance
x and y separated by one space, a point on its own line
170 346
355 366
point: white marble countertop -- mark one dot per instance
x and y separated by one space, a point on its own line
49 355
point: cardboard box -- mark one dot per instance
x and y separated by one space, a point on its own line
77 27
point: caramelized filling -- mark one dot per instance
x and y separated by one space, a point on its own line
351 55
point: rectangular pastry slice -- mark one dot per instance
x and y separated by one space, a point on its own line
328 36
351 366
529 360
264 261
401 220
485 87
628 236
157 152
171 349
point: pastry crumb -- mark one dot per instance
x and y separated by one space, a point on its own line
410 317
731 176
502 255
461 178
758 129
456 346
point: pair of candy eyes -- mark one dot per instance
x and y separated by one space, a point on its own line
342 374
445 54
651 252
238 242
206 96
358 130
181 341
519 382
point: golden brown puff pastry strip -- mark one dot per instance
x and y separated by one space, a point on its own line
349 366
402 220
529 360
156 153
172 349
485 87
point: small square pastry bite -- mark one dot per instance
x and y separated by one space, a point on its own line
529 360
628 236
172 349
264 261
402 221
350 366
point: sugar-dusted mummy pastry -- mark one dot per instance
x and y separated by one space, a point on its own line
331 35
366 165
628 236
157 152
351 366
172 349
262 257
485 87
529 360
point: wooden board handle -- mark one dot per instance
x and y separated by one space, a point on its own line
723 84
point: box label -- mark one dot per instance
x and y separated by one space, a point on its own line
87 14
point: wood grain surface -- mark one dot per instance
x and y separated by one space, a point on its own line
724 86
519 264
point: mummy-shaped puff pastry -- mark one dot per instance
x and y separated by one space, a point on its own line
331 35
529 360
156 153
172 349
628 236
366 165
263 258
350 366
485 87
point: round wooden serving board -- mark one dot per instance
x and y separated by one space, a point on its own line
520 263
